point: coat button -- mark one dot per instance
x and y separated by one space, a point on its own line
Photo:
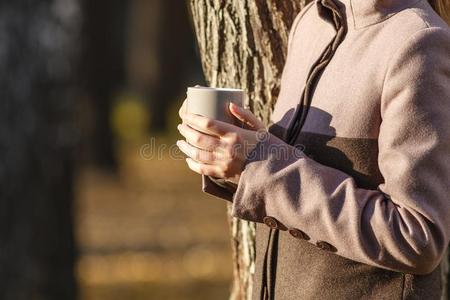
325 246
274 223
271 222
297 233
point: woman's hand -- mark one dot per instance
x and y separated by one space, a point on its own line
216 148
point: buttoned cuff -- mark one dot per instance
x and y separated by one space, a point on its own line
270 153
218 187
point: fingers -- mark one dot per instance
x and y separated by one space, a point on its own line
207 125
203 169
199 139
246 116
199 155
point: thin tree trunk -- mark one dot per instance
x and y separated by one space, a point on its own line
37 140
102 72
173 63
243 45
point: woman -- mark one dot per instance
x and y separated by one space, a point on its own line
350 189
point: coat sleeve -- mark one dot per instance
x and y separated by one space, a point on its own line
404 224
220 187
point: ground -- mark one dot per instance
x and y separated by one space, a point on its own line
149 232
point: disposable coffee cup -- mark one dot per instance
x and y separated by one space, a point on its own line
214 102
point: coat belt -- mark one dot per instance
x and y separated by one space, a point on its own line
337 17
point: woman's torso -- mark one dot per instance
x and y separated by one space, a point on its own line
341 131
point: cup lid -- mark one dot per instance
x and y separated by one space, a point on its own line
223 89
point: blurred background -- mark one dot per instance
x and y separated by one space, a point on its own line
95 200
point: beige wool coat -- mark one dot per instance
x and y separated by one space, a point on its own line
359 206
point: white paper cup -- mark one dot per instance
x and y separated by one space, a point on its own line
213 102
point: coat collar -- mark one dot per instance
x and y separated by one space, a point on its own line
363 13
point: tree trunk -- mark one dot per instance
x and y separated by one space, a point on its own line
173 63
102 73
37 139
243 45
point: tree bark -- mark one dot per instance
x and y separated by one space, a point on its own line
243 45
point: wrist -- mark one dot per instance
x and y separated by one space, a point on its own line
233 180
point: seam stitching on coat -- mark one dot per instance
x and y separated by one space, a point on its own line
409 39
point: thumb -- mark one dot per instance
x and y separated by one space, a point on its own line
246 117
